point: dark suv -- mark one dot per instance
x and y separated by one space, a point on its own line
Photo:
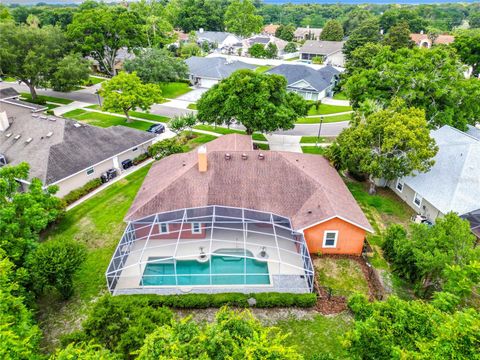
157 129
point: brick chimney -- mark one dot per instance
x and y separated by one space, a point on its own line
202 158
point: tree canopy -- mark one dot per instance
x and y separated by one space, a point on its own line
332 31
366 32
467 44
241 18
285 32
399 36
260 102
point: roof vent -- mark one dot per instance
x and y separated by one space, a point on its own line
244 156
261 156
34 115
8 135
228 156
43 117
16 137
49 134
29 140
52 119
77 125
309 211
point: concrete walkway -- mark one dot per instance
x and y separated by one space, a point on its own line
284 143
330 101
178 104
72 106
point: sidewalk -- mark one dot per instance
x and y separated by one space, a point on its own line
284 143
72 106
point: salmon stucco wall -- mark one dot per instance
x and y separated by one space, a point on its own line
349 242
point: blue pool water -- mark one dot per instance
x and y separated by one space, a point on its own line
225 270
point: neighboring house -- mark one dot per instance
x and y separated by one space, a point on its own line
423 40
122 55
452 184
219 40
60 151
473 218
205 72
307 33
270 29
310 83
264 40
330 52
228 218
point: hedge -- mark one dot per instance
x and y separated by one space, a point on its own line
76 194
203 301
140 158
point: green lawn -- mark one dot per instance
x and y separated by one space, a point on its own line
340 96
56 100
343 276
313 139
321 335
9 79
263 146
200 139
192 106
93 80
105 120
263 68
174 89
294 58
138 114
225 131
313 150
326 119
328 109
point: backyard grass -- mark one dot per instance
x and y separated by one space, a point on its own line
56 100
320 335
225 131
340 96
138 114
174 89
105 120
313 139
343 276
263 68
192 106
326 119
324 109
313 150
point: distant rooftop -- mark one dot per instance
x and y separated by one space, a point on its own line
215 67
321 47
318 79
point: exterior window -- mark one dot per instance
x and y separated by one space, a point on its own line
135 149
196 228
417 200
163 228
399 185
330 239
90 171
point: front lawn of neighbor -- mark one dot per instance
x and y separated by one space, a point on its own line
9 79
174 89
340 96
328 109
225 131
313 139
104 120
93 80
313 150
343 276
56 100
192 106
326 119
263 68
320 335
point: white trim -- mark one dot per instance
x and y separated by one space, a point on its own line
415 197
199 231
399 182
333 217
325 238
160 225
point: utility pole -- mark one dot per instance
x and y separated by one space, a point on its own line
319 131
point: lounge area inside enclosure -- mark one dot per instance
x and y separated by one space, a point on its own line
211 249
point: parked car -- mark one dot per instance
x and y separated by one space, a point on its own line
157 129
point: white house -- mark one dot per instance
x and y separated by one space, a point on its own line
329 51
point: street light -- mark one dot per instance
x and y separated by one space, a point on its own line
319 131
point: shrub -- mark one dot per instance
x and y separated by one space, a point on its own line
49 112
76 194
140 158
165 148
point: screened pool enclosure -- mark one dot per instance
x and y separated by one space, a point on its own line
210 249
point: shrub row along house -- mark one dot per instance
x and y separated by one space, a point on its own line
223 220
60 151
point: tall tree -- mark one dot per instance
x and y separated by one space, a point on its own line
101 31
332 31
285 32
260 102
33 55
394 16
126 92
191 15
389 144
71 71
399 37
474 20
467 44
355 18
156 66
367 31
241 18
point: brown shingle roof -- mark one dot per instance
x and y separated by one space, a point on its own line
270 29
303 187
441 39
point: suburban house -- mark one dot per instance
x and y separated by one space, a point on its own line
452 184
307 33
310 83
60 151
270 29
329 51
423 40
205 72
221 219
264 40
123 54
219 40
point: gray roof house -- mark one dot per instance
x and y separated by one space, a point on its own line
312 84
307 33
61 151
329 51
452 184
222 41
205 72
264 40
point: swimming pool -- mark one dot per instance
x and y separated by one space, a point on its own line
225 270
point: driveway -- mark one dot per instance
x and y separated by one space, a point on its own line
192 96
284 143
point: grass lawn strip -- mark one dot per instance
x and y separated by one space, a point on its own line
52 99
263 68
328 109
135 114
225 131
174 89
340 96
326 119
105 120
313 139
192 106
313 150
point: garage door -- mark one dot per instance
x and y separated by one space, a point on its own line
207 83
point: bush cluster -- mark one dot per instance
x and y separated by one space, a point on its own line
140 158
76 194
